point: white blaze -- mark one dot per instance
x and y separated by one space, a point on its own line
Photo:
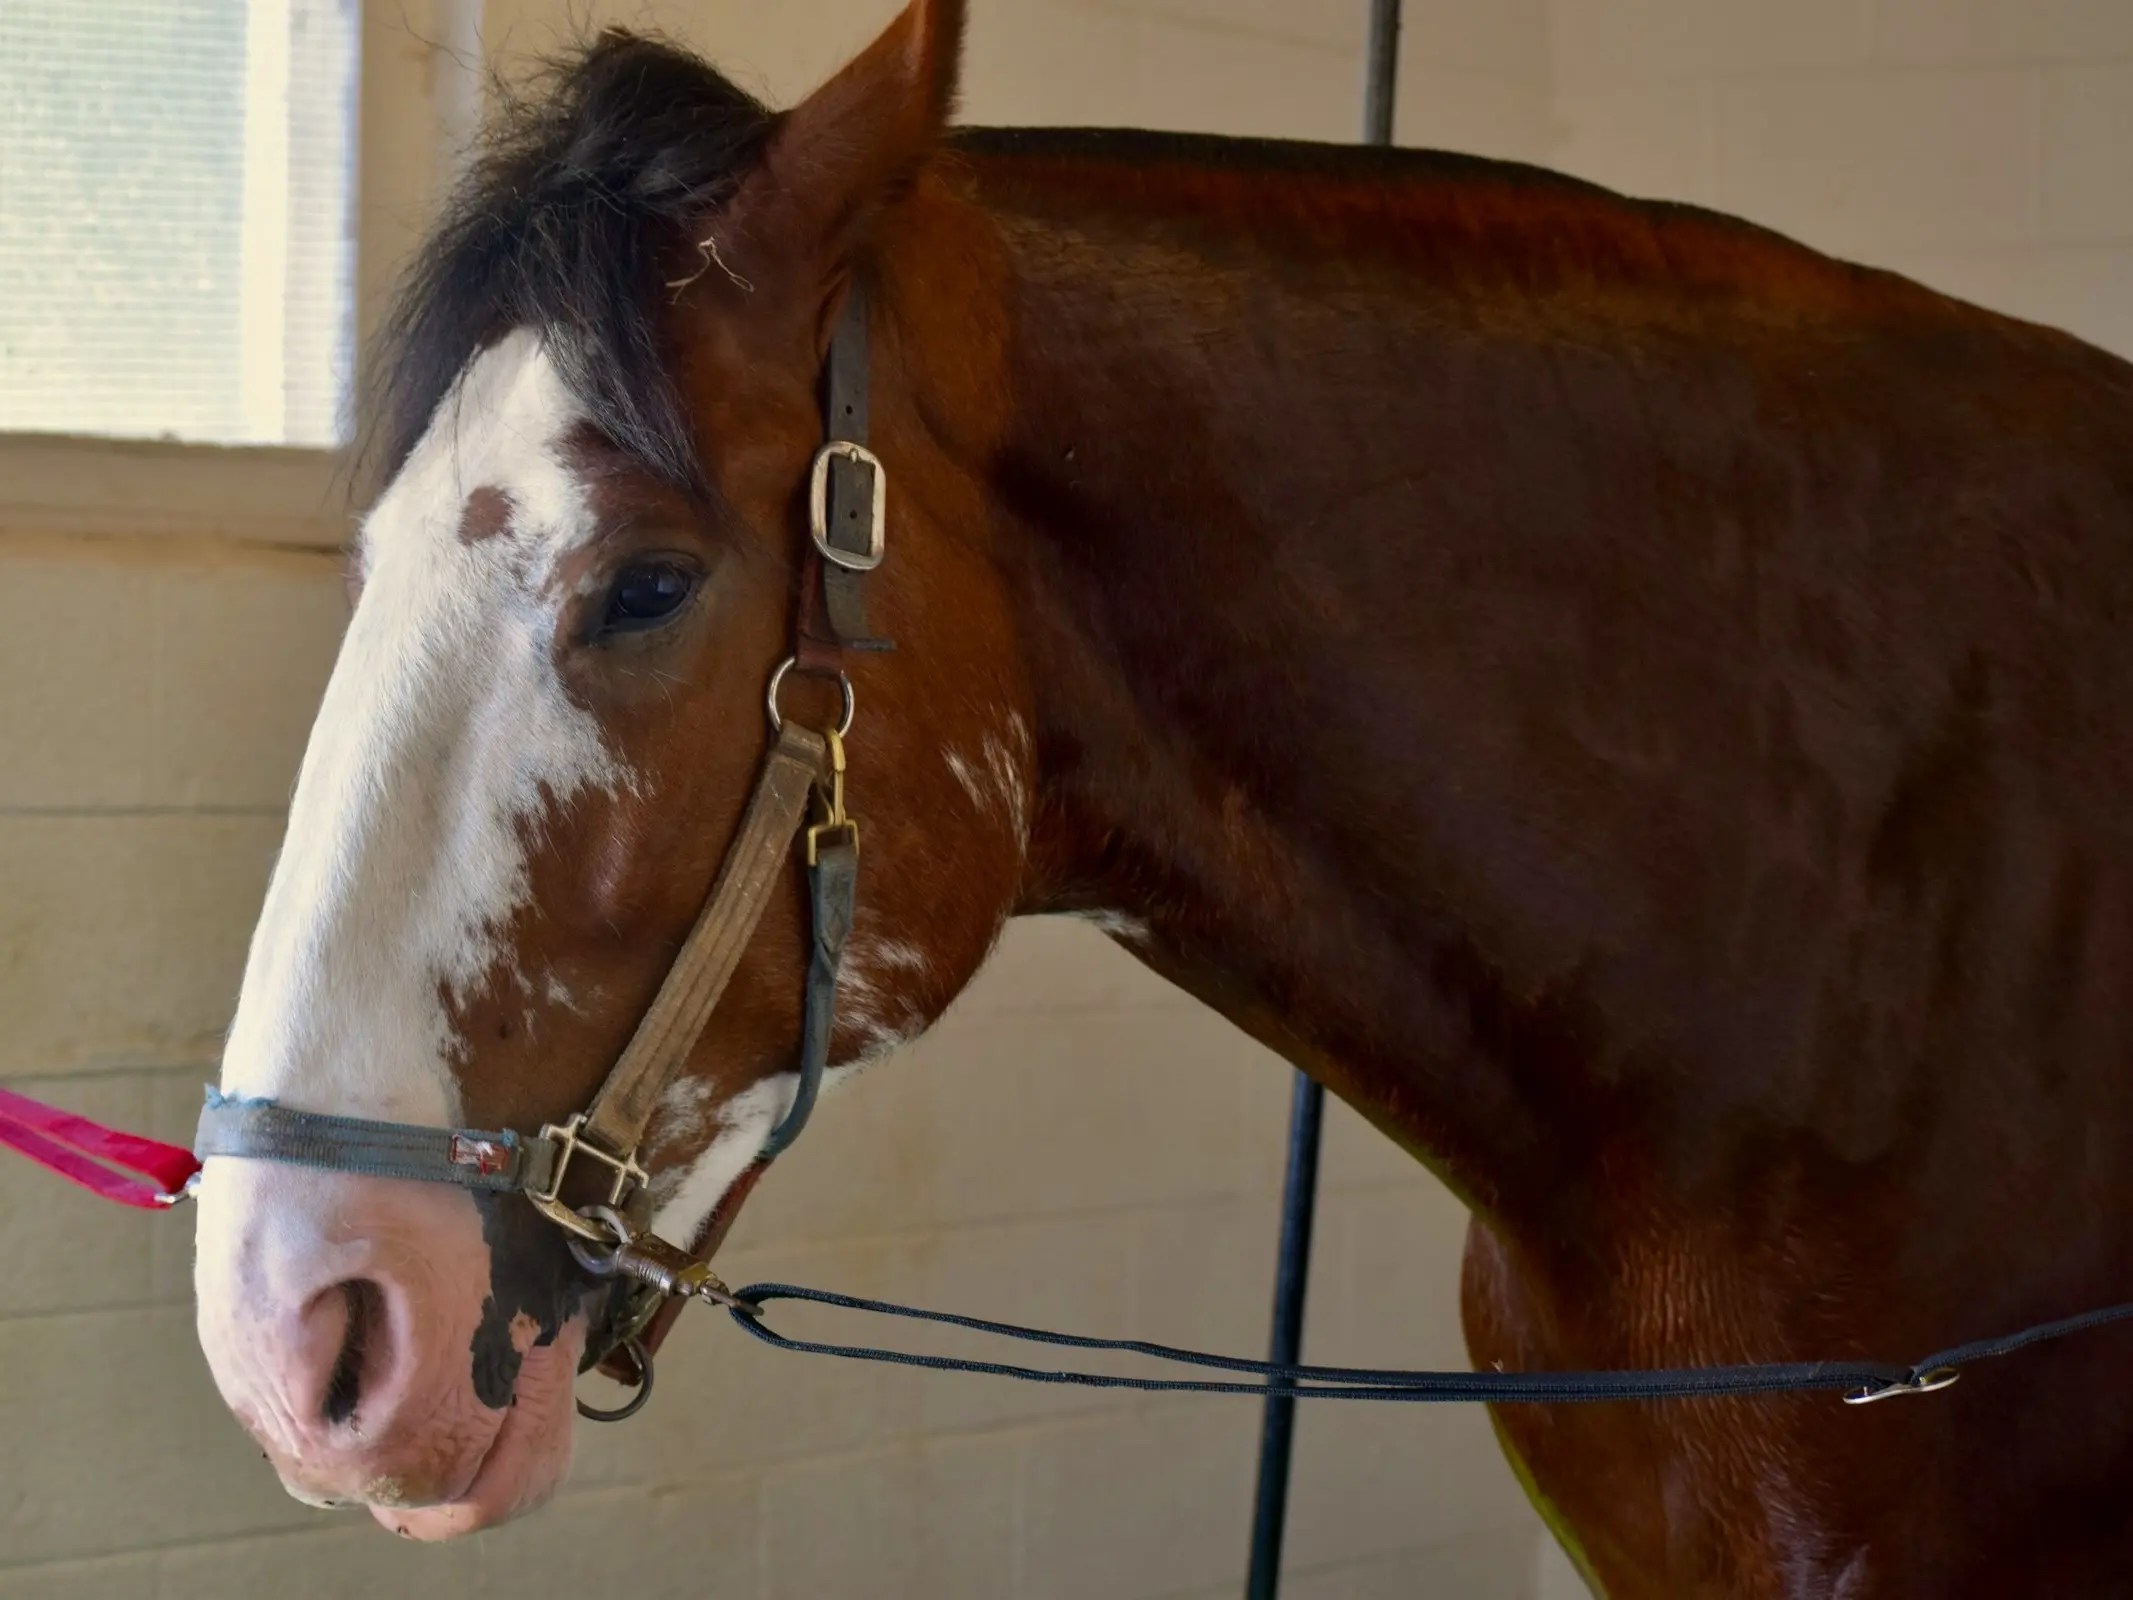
444 734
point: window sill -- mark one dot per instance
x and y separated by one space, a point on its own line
106 488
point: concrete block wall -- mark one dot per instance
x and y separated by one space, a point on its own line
1475 74
1076 1145
1981 146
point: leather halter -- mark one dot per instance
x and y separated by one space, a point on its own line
799 795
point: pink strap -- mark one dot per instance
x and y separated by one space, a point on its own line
64 1143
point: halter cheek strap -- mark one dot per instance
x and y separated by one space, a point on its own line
611 1130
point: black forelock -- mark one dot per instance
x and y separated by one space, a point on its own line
583 183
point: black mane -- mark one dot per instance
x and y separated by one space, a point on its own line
581 187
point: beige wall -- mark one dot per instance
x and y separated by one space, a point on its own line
1077 1144
1476 72
1983 146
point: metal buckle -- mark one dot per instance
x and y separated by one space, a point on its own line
834 819
569 1140
816 834
818 506
1918 1383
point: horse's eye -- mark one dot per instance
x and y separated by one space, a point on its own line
645 596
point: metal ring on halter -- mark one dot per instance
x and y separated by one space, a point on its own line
635 1350
598 1256
777 682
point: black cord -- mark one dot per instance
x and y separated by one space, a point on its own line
1371 1383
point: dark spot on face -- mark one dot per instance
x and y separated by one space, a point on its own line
531 1274
488 514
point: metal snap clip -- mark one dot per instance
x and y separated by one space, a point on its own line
1916 1383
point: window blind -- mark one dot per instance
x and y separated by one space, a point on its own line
176 202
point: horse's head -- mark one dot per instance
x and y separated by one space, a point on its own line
602 410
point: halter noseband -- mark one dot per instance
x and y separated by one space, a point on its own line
799 795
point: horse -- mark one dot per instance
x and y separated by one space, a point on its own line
1635 707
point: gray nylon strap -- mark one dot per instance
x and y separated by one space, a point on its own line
834 888
499 1162
799 762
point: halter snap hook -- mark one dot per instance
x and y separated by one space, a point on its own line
834 818
1912 1383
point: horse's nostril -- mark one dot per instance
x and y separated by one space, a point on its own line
366 1319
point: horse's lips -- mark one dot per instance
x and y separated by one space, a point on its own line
524 1464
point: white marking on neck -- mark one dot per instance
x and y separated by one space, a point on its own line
444 736
1118 925
689 1194
1002 787
897 956
963 775
867 997
1008 784
685 1109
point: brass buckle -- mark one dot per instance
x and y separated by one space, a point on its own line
818 506
569 1141
816 834
834 819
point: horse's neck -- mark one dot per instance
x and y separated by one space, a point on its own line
1260 729
1384 593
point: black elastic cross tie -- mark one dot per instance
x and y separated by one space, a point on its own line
1858 1379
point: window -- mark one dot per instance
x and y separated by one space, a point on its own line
176 236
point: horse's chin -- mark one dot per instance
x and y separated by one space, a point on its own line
526 1462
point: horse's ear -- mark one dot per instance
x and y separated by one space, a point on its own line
855 146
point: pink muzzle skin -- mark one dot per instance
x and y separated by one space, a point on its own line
343 1316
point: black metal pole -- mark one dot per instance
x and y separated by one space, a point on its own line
1292 1277
1307 1106
1383 85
